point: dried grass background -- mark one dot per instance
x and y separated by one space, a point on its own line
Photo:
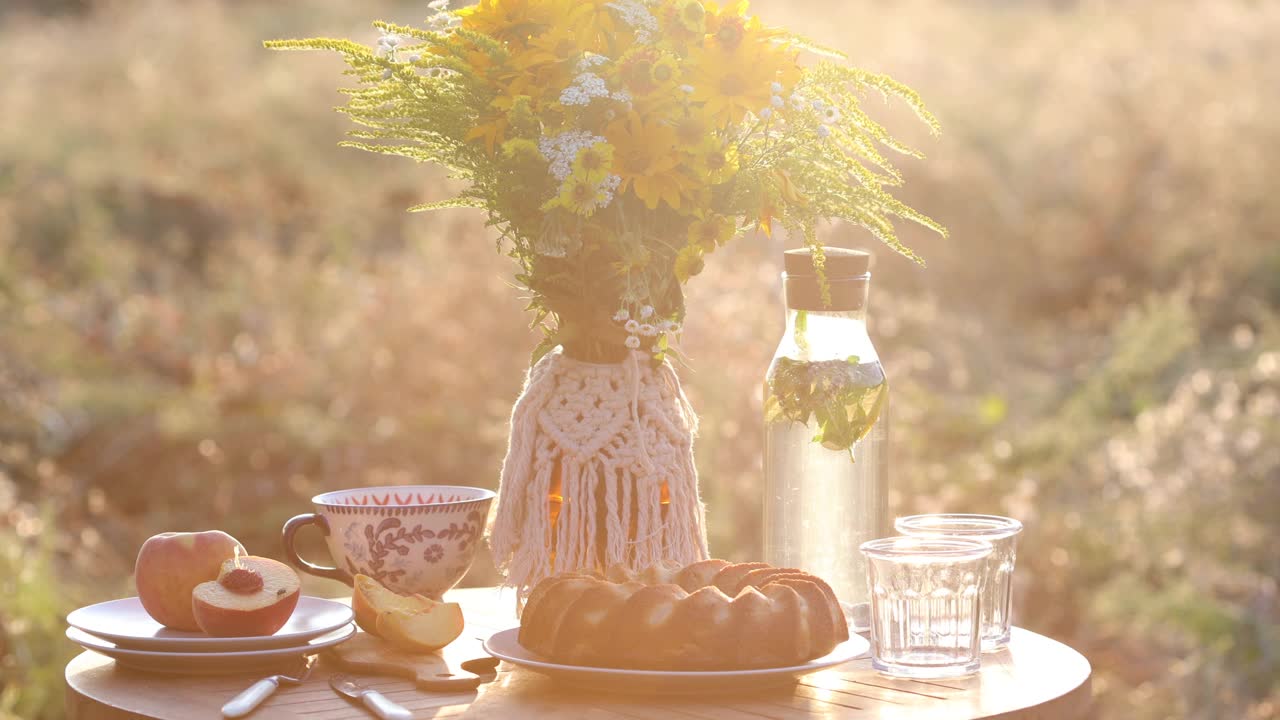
209 313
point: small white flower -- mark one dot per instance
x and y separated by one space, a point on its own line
635 14
591 60
648 330
622 315
646 312
414 58
675 328
389 40
686 89
386 74
664 325
561 150
819 104
798 101
585 87
831 115
823 131
633 326
776 87
765 113
776 101
438 5
633 342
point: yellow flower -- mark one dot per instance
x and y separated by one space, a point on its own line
711 232
635 70
646 158
692 16
692 130
580 195
596 24
557 45
715 161
664 71
731 84
594 161
514 21
688 263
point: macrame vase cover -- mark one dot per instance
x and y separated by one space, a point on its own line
616 441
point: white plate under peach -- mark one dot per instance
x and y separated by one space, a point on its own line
505 645
210 663
125 624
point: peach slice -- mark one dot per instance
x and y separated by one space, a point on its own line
423 631
369 598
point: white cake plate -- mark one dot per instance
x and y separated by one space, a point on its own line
505 645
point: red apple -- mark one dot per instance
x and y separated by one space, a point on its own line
169 567
252 596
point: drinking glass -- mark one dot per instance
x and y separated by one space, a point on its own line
997 594
924 605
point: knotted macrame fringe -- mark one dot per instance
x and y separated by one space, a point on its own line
613 435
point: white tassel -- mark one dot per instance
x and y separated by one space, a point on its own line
616 433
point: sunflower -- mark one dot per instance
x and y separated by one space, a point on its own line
646 159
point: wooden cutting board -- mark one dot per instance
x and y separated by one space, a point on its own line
369 654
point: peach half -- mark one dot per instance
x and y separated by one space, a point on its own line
252 596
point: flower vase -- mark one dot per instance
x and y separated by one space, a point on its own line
599 471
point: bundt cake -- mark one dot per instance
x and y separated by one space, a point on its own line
711 615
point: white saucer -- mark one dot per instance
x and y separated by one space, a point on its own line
127 625
506 646
208 663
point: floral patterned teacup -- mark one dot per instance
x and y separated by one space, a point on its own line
411 538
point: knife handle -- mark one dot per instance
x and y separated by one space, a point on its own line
245 702
384 708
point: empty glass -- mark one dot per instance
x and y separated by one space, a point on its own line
924 605
997 594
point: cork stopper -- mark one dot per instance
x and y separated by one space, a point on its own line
847 272
840 262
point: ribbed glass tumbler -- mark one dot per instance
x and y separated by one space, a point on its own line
924 605
997 594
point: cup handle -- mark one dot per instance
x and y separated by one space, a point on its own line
291 528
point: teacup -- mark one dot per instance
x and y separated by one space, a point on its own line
411 538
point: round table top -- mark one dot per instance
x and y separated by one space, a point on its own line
1034 677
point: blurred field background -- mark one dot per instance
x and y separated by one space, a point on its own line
209 313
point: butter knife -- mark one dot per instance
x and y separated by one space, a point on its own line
252 697
377 703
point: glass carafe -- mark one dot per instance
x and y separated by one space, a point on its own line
826 429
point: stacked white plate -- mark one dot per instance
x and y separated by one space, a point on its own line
122 629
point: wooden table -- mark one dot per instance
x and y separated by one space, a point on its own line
1034 677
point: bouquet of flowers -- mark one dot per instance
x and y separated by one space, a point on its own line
615 144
